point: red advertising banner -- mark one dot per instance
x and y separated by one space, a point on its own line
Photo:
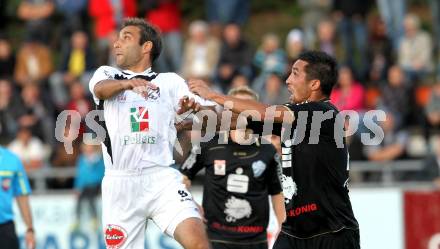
422 219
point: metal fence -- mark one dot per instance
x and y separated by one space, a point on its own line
386 171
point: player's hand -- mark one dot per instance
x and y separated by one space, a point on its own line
188 104
139 86
30 240
200 88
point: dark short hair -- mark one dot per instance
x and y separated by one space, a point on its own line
321 66
148 33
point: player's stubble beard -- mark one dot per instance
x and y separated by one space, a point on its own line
131 57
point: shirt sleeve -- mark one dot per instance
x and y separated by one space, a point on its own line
258 128
182 89
20 182
273 176
192 164
102 73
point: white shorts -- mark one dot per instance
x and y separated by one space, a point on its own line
130 197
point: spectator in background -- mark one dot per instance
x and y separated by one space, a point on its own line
392 13
201 53
36 114
393 146
431 168
8 112
165 15
379 51
78 102
29 149
326 38
15 184
351 16
7 58
72 13
61 157
294 45
274 91
107 16
222 12
239 81
396 96
34 63
269 59
36 14
415 51
348 94
235 57
432 111
89 174
313 12
434 5
77 63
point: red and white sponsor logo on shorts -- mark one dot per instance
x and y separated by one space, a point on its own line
115 236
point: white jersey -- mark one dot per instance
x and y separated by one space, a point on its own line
140 130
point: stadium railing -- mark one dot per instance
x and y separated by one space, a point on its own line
388 174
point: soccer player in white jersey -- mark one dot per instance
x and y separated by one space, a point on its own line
139 108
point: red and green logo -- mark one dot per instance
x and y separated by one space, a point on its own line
139 119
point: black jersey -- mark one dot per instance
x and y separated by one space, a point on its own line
237 183
315 165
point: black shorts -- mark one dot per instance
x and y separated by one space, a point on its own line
220 245
344 239
8 237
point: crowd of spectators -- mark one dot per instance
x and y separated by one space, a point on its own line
388 61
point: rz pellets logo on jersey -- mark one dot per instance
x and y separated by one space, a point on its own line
139 119
139 128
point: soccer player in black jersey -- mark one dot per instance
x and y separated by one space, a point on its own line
315 160
239 178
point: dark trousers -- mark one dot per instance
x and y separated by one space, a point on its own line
344 239
8 237
89 195
219 245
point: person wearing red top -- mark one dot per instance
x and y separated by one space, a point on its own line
108 16
166 16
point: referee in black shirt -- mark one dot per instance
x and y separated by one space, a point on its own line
238 181
315 157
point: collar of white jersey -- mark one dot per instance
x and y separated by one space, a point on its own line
148 72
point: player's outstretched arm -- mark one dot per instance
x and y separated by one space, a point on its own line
237 105
108 88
